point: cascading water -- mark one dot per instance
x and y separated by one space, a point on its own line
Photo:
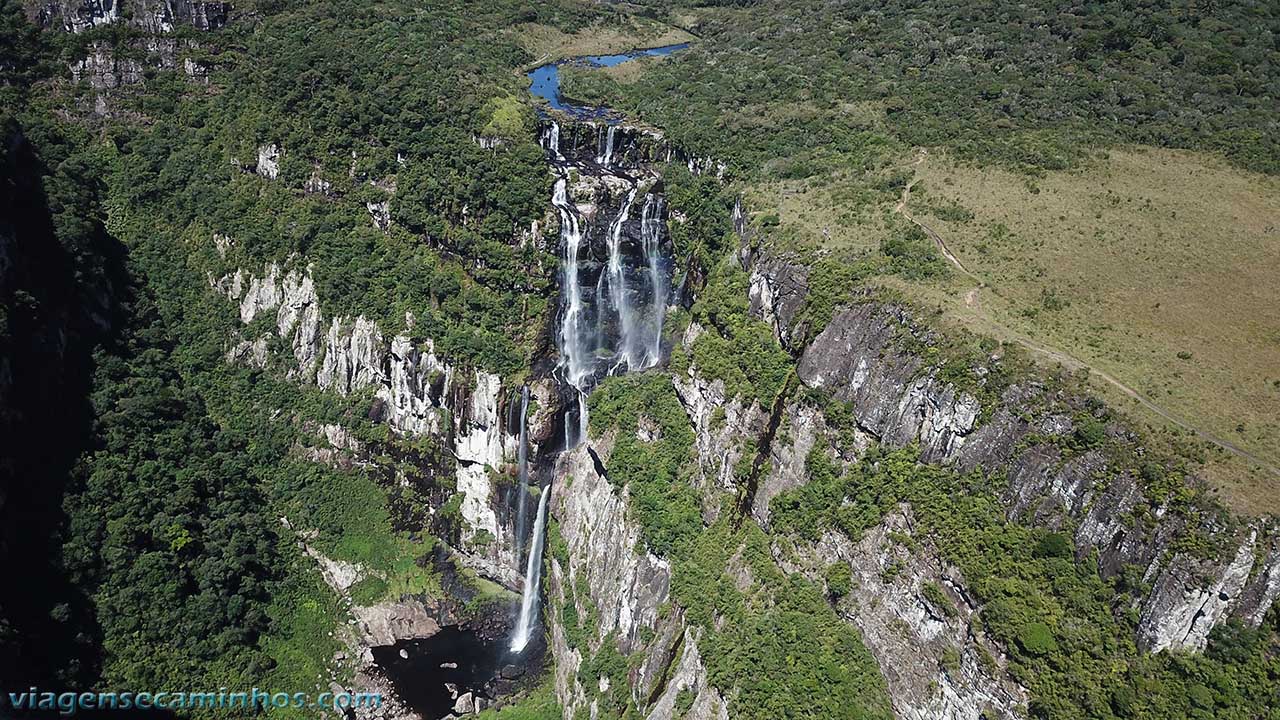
627 327
573 351
532 579
550 140
606 158
611 319
651 235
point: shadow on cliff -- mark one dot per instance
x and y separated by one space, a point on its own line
62 277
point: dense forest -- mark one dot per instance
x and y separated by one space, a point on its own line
140 461
1037 85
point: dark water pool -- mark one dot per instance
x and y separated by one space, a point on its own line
432 673
545 79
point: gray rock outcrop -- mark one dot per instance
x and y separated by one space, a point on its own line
415 392
935 666
151 16
865 357
627 588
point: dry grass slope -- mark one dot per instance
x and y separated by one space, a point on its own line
1158 268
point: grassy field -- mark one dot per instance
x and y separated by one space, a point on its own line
1155 267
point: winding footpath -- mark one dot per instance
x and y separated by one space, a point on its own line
1063 358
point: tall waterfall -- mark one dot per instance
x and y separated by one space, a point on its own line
627 326
532 579
573 351
651 234
620 317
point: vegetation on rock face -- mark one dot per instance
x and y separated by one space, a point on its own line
737 348
778 638
167 547
655 472
166 560
456 207
1070 633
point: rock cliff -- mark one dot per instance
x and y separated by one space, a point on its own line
150 16
604 576
868 357
411 388
936 662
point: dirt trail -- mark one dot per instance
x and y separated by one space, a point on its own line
1063 358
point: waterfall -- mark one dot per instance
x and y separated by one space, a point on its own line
532 578
522 460
601 337
606 159
587 327
618 286
551 140
573 352
651 234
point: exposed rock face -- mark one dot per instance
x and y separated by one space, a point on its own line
894 400
544 401
1181 611
586 143
107 68
415 392
778 290
152 16
389 623
689 674
334 446
418 379
300 309
722 426
353 357
262 294
628 589
935 666
102 69
269 161
250 352
864 357
804 430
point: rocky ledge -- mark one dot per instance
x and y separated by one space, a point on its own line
868 356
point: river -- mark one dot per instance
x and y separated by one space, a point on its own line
545 79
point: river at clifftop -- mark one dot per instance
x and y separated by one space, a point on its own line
545 79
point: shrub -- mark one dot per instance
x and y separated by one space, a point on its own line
1089 432
911 253
369 591
839 577
938 599
1036 638
1054 545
